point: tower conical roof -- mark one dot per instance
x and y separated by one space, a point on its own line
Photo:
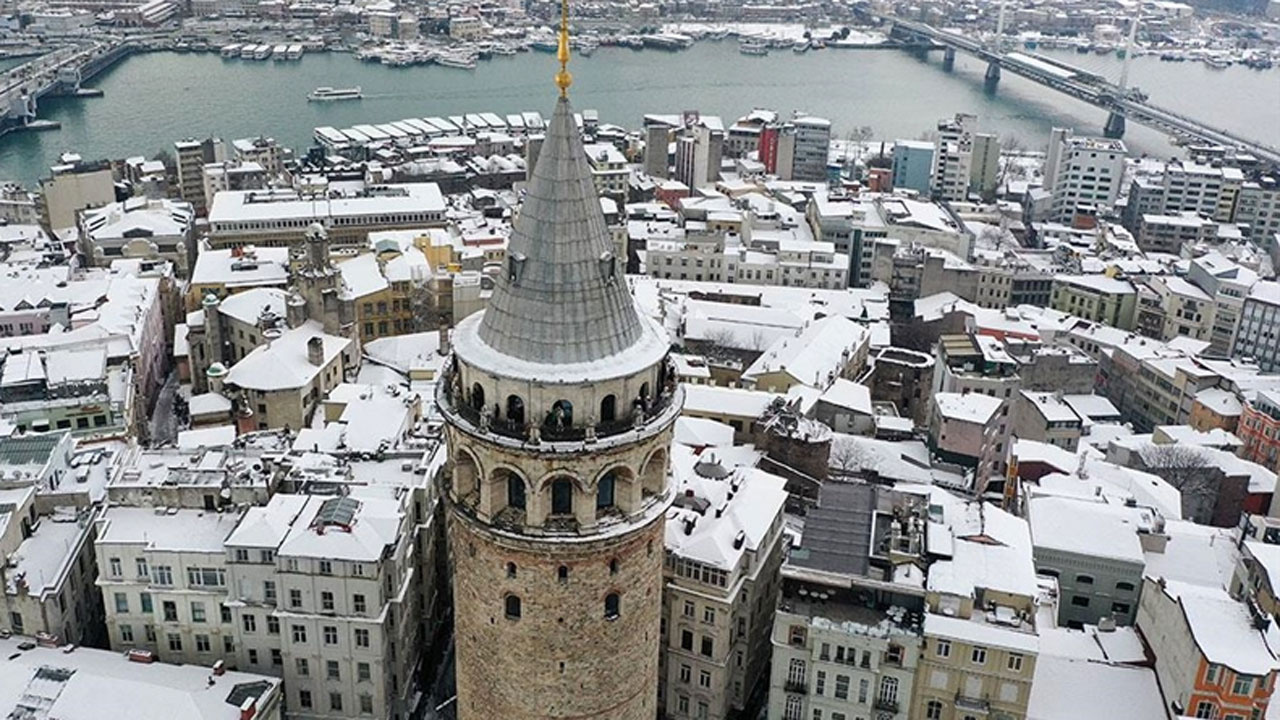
562 297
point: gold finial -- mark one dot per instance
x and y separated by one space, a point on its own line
563 78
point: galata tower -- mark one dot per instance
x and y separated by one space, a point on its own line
559 403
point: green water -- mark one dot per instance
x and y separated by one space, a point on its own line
154 99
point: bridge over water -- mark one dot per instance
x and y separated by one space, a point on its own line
1119 101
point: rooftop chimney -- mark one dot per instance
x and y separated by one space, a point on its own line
315 351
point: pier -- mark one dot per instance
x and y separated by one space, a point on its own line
60 72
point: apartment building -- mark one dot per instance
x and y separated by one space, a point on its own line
1256 337
1092 550
1211 657
1083 173
1259 429
980 641
48 579
847 637
812 148
721 582
1108 300
609 170
190 157
1045 417
325 595
163 577
1258 208
913 165
953 159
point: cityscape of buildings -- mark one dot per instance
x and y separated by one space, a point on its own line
533 416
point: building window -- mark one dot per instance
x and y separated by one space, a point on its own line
842 687
303 667
170 609
1015 662
197 612
686 640
794 708
202 643
512 607
332 670
362 672
888 690
1206 709
978 656
295 598
175 642
943 649
362 637
335 701
708 646
122 603
511 570
562 573
358 603
126 633
612 606
330 635
299 633
366 704
933 710
115 567
326 567
1243 685
326 601
1080 601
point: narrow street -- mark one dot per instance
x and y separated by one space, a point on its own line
164 425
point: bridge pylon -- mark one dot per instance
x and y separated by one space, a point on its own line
1114 128
993 73
948 58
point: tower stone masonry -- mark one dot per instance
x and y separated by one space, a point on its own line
559 403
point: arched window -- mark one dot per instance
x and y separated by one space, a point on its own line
562 573
609 409
477 397
561 414
612 606
605 491
644 391
511 607
515 410
562 496
613 566
511 570
933 710
515 491
888 689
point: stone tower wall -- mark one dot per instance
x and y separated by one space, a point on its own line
562 658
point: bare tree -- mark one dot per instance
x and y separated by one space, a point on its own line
759 341
1189 471
847 456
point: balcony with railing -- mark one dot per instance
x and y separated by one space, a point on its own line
980 705
886 704
648 415
796 685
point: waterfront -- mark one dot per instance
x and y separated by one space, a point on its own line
153 99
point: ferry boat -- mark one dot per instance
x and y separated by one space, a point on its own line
327 94
295 52
246 52
753 47
456 60
262 53
280 53
800 46
1217 63
231 51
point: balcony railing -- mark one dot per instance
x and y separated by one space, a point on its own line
889 705
451 401
965 702
796 686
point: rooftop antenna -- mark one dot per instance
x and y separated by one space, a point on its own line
563 78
